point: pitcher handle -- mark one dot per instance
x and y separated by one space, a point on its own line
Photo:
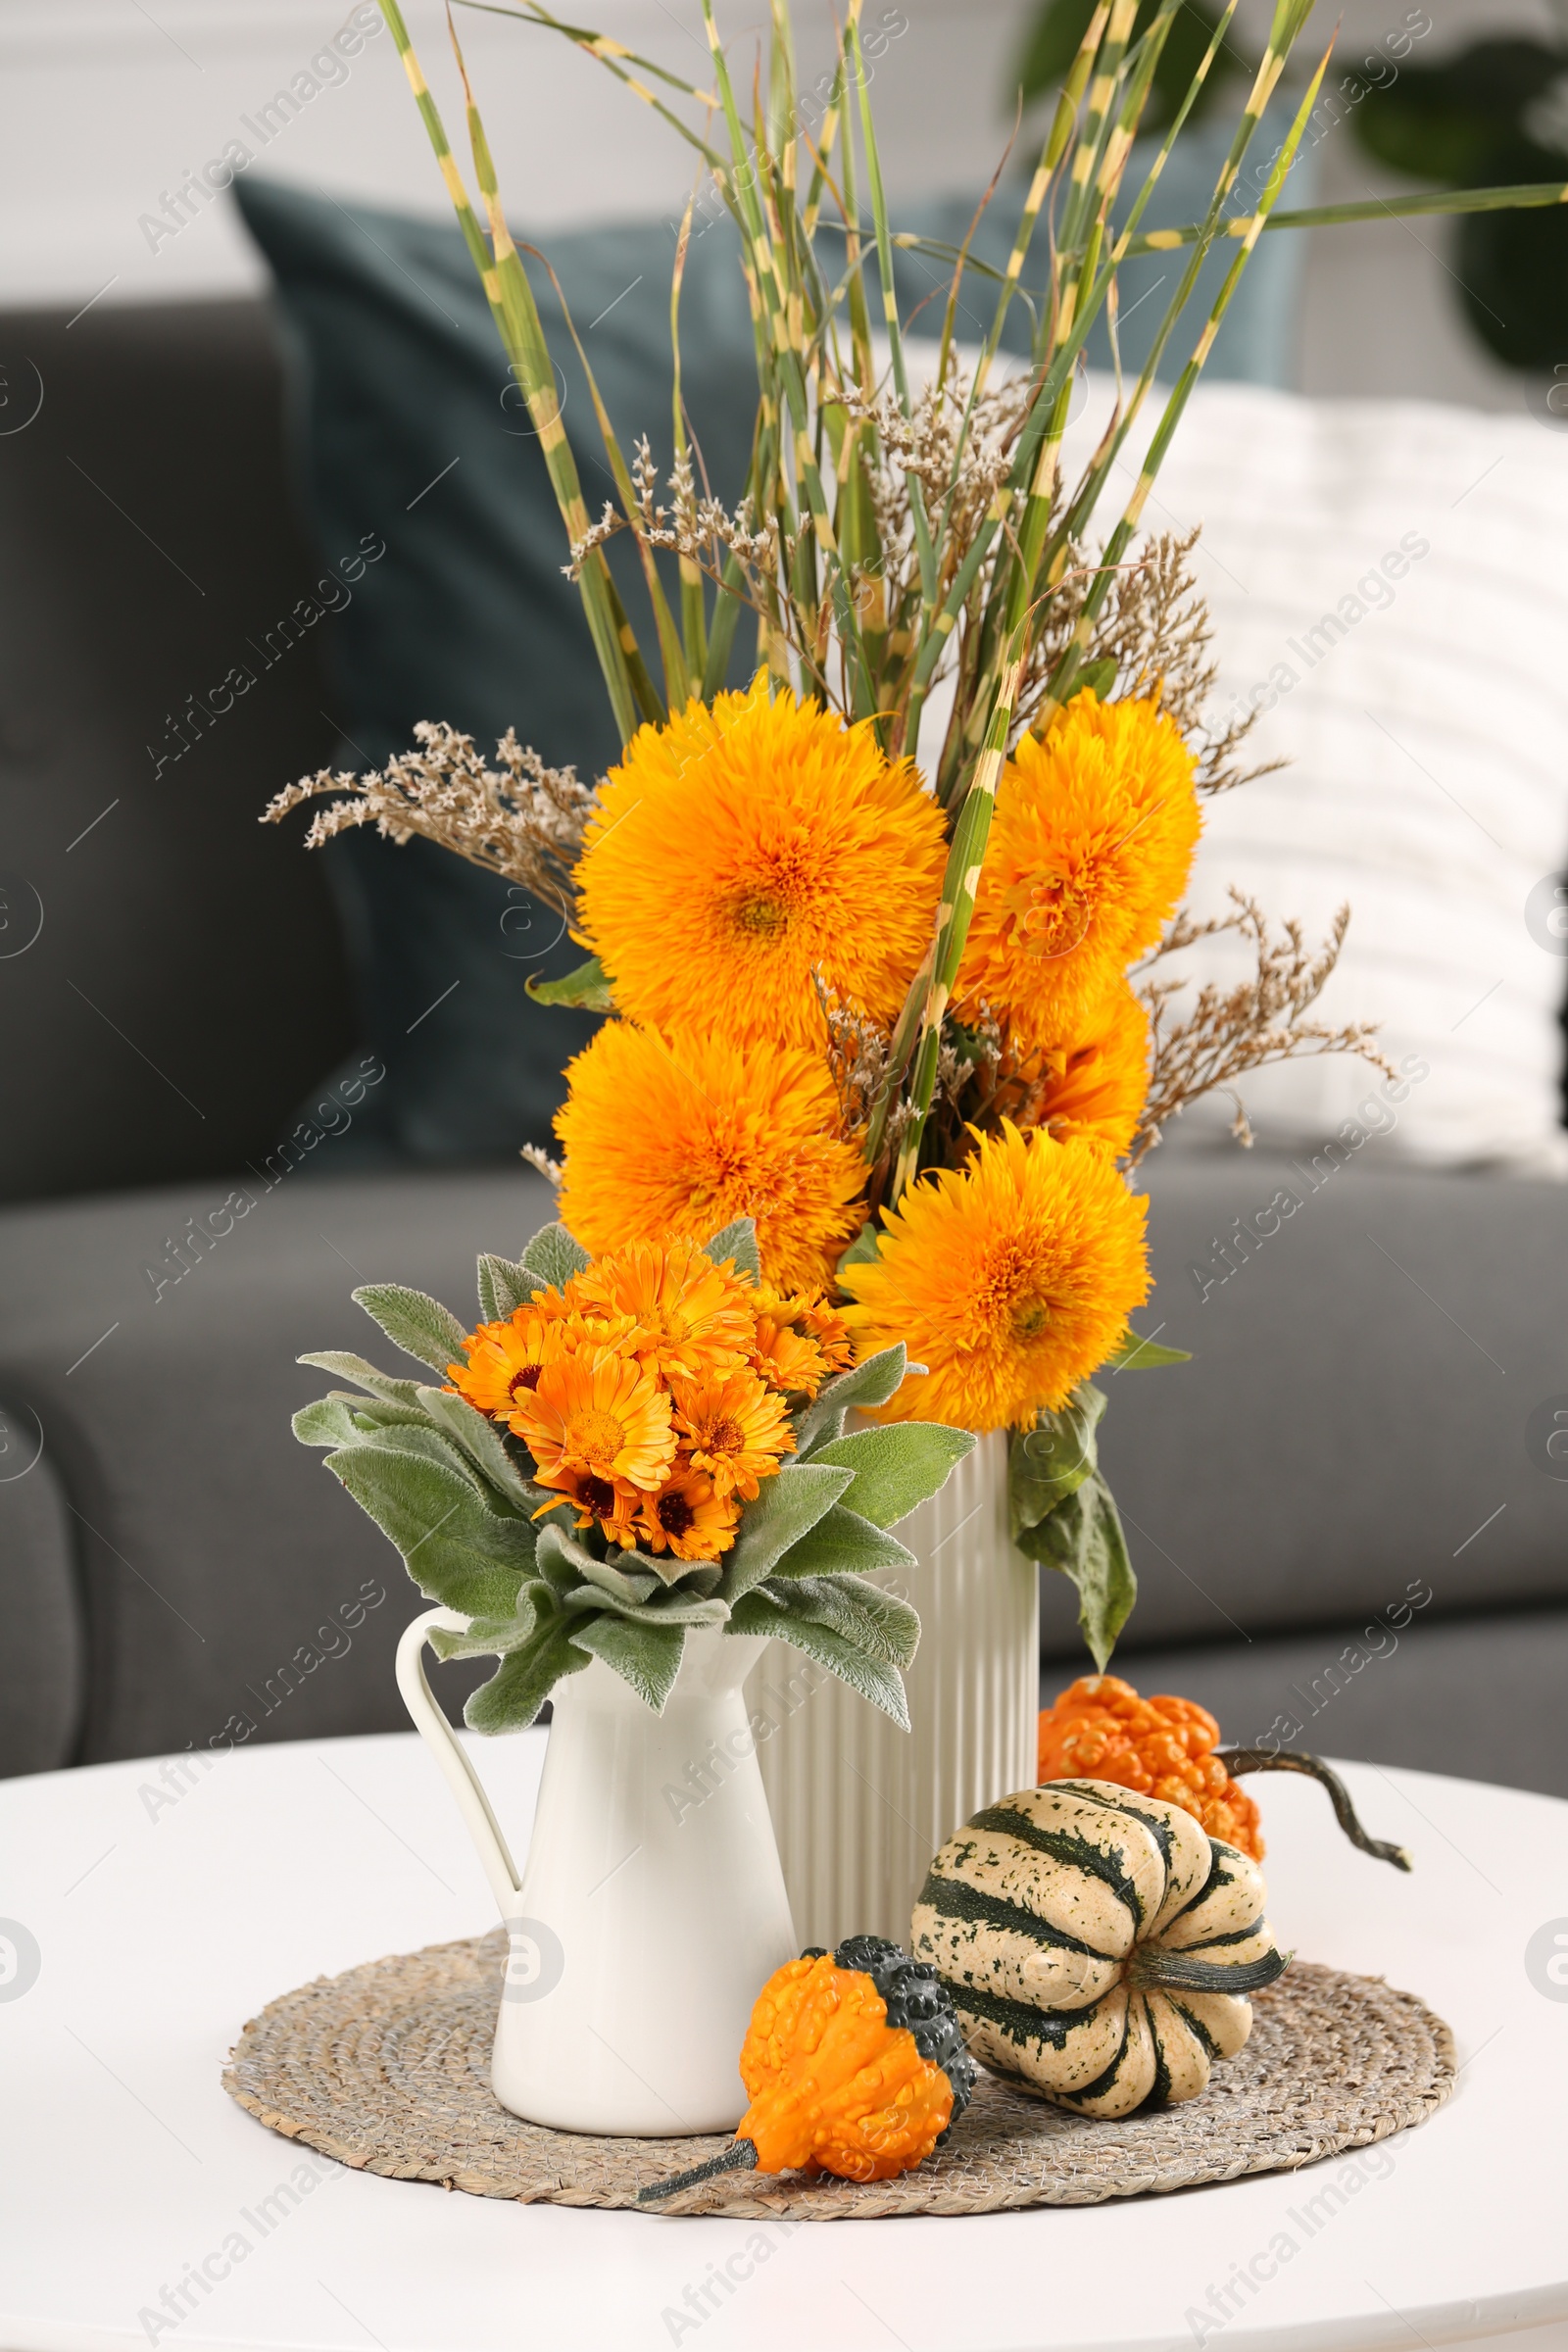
449 1752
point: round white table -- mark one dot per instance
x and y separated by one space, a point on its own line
149 1909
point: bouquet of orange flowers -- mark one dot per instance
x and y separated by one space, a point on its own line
893 998
677 1426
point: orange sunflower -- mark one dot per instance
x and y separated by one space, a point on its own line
727 850
670 1138
688 1518
597 1414
734 1428
683 1313
1010 1279
1090 847
1096 1074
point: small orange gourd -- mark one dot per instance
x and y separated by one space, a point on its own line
1099 1729
853 2063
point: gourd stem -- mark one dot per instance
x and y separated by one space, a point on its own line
1236 1760
739 2157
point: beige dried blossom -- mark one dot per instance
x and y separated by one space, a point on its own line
1229 1033
521 819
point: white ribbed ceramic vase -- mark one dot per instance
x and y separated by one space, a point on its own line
859 1806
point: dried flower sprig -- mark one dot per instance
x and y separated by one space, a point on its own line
1228 1033
521 819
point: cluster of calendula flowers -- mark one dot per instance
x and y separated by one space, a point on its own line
654 1390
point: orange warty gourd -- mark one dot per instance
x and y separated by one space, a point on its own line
1100 1729
853 2063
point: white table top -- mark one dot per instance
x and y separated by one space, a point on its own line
160 1928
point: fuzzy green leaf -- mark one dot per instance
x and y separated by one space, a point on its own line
489 1636
514 1695
877 1622
843 1543
1046 1463
1083 1537
769 1611
480 1442
785 1508
503 1288
865 1250
676 1607
739 1243
330 1422
1133 1354
897 1467
420 1325
458 1552
646 1656
365 1376
613 1577
553 1258
871 1383
587 986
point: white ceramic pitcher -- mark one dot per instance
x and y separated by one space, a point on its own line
652 1907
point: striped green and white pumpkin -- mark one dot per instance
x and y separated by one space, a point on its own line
1099 1946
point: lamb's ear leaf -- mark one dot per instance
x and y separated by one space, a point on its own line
552 1257
329 1422
1046 1463
842 1543
458 1552
770 1611
420 1325
896 1467
1083 1537
344 1366
611 1577
503 1288
646 1656
479 1439
490 1637
865 1250
739 1243
870 1383
588 986
786 1506
877 1622
514 1693
667 1608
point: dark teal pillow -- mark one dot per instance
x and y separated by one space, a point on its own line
409 432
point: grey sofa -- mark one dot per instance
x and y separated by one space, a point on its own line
1339 1512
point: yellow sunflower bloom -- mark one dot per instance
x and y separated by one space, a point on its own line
734 1429
688 1518
683 1314
1097 1081
503 1358
1010 1280
1089 853
741 850
599 1414
673 1139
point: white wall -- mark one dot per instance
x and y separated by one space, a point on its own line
106 103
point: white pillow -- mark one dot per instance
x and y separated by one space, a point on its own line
1389 578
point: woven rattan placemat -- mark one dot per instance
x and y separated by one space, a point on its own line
388 2069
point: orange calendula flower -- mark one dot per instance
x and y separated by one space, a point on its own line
687 1518
1010 1279
599 1502
598 1413
1090 847
1096 1080
734 1428
683 1313
756 824
798 1341
504 1358
676 1137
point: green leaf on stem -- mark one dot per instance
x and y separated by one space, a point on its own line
1083 1537
896 1467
